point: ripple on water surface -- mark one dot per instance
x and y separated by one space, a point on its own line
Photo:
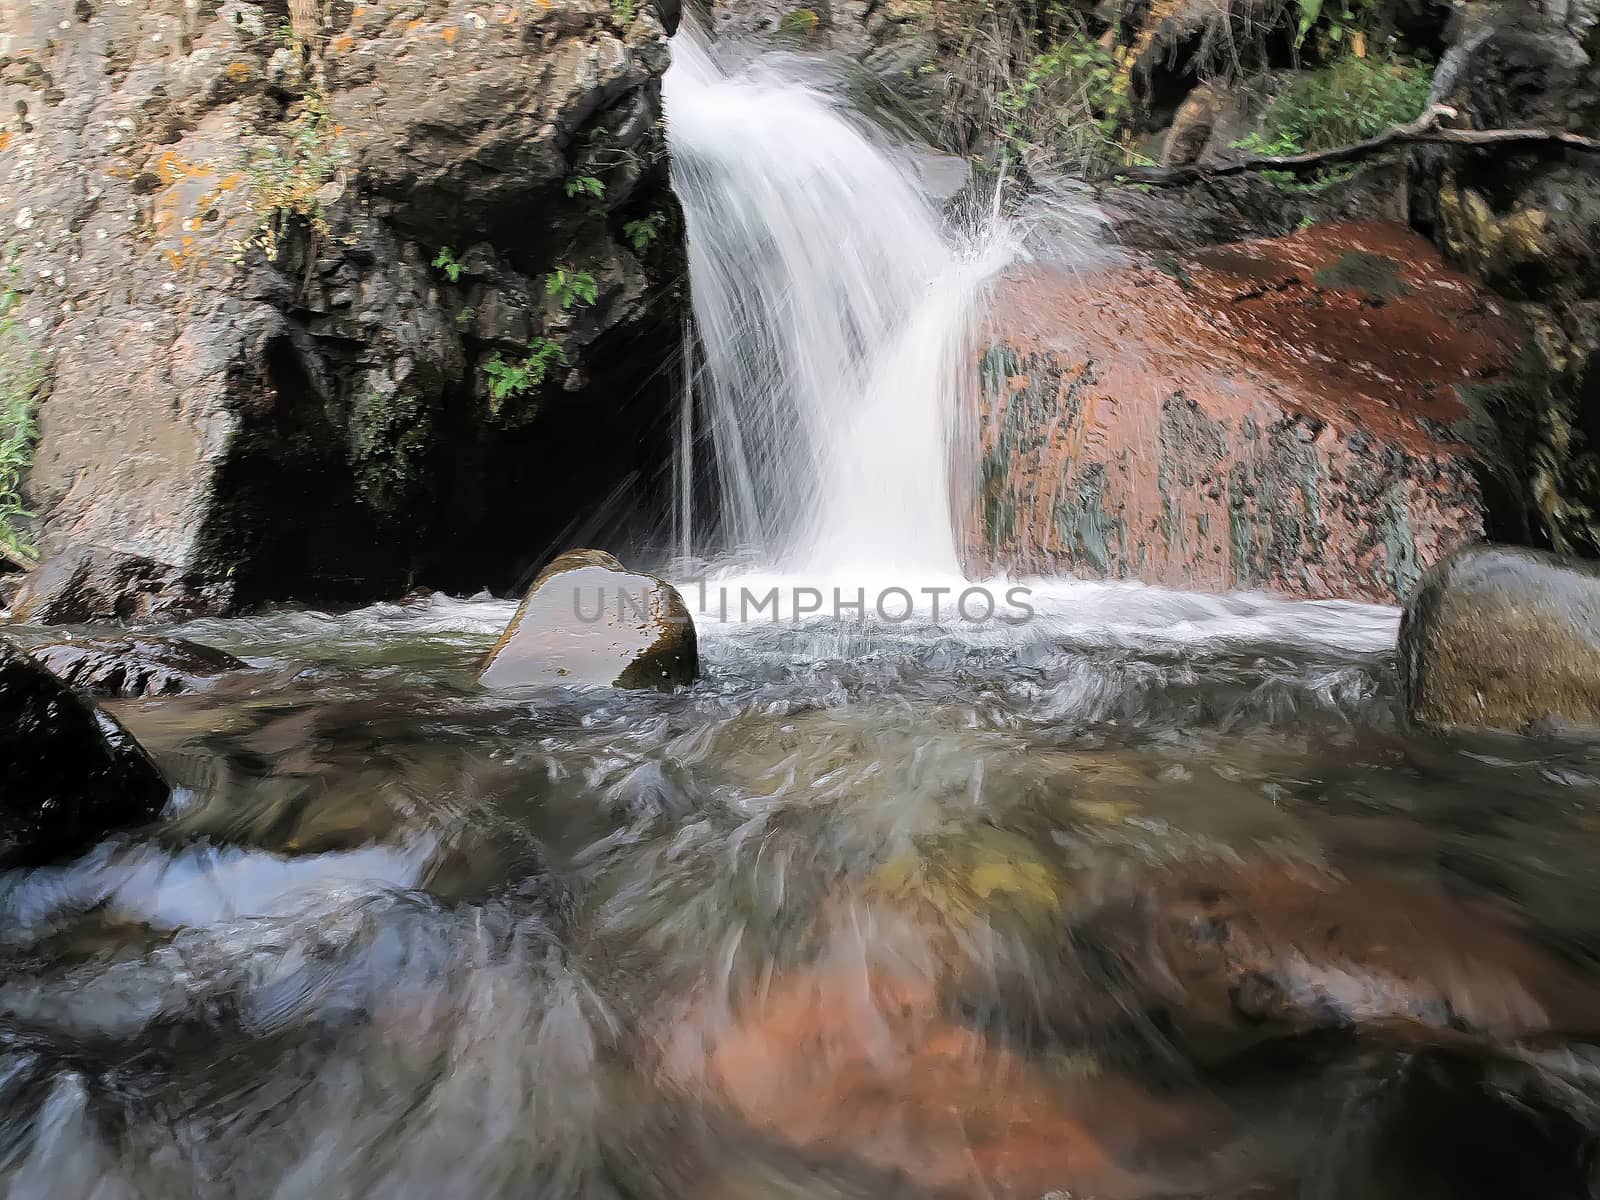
873 908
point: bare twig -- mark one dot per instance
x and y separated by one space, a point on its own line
1425 128
17 560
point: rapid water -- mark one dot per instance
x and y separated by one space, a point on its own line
834 311
848 918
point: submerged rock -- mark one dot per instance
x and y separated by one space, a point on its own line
1502 637
1223 956
862 1062
588 619
1281 414
70 773
125 668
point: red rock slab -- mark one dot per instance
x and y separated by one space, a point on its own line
1281 414
858 1063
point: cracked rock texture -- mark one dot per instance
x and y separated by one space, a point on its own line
269 264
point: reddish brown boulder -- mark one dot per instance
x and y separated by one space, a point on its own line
1235 954
1281 414
864 1065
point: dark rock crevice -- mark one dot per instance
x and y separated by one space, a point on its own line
276 381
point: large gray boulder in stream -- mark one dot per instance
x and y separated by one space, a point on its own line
1503 637
69 774
588 619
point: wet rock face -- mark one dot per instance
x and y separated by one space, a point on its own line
84 584
1504 638
1528 224
1282 414
587 619
71 773
274 267
127 668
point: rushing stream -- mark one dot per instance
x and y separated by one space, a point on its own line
856 915
403 938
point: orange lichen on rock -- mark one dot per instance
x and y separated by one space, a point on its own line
171 167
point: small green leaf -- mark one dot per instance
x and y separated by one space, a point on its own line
1310 11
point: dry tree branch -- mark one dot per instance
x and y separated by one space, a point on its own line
1425 129
17 560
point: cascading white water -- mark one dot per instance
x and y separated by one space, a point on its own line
834 315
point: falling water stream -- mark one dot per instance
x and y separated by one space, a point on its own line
835 312
1150 895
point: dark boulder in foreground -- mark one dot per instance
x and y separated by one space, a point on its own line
588 619
1502 637
134 667
69 774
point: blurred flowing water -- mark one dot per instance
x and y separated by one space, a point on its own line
401 937
834 308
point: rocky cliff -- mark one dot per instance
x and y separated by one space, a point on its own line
1528 224
332 298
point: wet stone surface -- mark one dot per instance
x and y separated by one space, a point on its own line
71 775
1283 414
126 668
1506 638
586 619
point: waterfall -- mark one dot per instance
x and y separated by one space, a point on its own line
834 314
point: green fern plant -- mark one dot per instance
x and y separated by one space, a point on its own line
644 231
1347 101
585 185
511 379
572 288
1069 102
446 261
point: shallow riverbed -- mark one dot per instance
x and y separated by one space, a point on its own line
830 923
